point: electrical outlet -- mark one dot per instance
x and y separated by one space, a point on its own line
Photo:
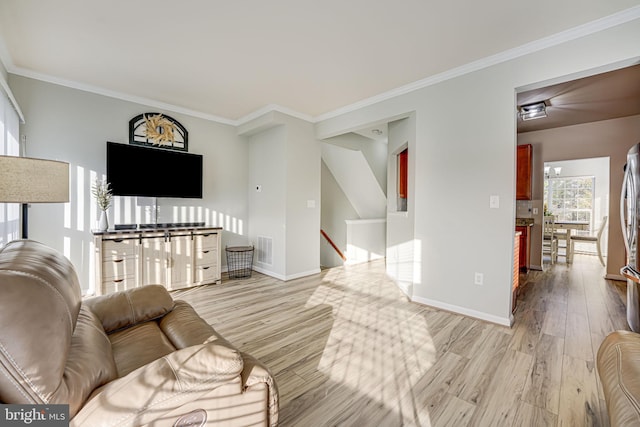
478 278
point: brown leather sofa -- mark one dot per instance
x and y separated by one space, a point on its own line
619 369
130 358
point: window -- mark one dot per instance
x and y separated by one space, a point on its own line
571 198
9 212
403 188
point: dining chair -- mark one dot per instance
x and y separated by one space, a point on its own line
549 238
590 238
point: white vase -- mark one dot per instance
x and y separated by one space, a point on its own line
103 225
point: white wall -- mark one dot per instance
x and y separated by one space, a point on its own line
303 199
402 249
462 159
375 152
267 169
285 160
336 208
73 126
366 240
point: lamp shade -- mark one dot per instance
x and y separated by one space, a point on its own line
27 180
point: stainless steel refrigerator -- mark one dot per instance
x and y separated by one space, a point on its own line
629 218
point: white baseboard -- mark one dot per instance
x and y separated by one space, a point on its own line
503 321
535 267
268 272
303 274
285 278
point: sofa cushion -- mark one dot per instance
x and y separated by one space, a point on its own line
136 346
127 308
184 327
150 392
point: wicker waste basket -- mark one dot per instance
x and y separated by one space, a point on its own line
239 261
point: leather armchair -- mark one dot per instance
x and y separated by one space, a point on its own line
619 370
129 358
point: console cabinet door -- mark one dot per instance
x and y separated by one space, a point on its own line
181 261
154 261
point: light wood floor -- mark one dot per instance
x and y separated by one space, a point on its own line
347 348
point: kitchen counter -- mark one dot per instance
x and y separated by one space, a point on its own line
524 222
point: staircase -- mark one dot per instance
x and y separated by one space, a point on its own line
356 179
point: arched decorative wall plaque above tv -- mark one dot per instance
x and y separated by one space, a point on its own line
158 129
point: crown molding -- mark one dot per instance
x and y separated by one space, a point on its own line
269 109
119 95
5 63
507 55
592 27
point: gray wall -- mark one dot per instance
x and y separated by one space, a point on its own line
336 208
73 126
464 155
284 158
267 168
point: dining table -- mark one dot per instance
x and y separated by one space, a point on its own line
568 226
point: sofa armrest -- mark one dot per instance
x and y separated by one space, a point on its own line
123 309
619 370
162 386
255 373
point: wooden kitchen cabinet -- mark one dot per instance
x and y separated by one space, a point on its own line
516 272
525 239
523 174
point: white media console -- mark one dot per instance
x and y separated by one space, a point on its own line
176 257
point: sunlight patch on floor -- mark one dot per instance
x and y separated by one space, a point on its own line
357 354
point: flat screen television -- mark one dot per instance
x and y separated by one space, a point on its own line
133 170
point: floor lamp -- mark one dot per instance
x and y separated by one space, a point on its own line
26 180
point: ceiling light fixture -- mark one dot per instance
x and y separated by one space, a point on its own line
547 172
376 131
536 110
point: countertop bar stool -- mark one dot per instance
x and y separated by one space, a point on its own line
589 238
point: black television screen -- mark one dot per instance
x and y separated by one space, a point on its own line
134 170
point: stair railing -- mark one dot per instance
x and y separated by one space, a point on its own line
333 245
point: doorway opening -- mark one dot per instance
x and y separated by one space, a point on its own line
576 195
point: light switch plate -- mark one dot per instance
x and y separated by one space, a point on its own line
494 202
535 211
